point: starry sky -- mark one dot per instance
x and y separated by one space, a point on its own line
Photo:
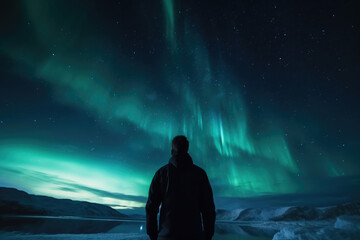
92 92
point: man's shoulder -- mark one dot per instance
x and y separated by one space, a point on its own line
162 169
199 170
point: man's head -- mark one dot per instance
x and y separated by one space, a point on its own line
179 145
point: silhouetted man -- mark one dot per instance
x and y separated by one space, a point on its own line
184 192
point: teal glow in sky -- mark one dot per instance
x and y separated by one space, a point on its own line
92 94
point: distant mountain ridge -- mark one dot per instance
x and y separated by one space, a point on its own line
294 213
16 202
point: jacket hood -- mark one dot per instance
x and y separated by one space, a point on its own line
181 161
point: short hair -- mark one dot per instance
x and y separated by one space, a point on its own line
179 144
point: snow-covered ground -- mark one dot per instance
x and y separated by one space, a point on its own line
285 223
97 236
295 222
344 228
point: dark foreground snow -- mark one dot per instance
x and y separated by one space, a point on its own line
285 223
97 236
344 228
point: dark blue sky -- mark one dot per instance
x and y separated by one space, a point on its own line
91 94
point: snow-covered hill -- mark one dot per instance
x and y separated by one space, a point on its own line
289 213
13 201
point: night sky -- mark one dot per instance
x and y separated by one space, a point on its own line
267 92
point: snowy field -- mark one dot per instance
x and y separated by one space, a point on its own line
341 222
344 228
97 236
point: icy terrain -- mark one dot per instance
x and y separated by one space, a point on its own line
343 227
292 213
99 236
291 223
300 223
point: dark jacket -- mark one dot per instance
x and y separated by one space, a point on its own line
187 205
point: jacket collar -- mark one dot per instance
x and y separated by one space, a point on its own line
181 161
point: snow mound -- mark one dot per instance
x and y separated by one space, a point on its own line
328 233
352 208
308 213
250 214
224 215
344 228
258 214
350 223
297 213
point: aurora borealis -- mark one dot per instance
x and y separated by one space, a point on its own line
91 94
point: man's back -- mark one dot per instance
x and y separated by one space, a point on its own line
186 199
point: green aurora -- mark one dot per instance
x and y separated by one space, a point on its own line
141 103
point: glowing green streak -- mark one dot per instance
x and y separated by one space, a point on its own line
199 117
170 23
48 172
252 180
276 149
